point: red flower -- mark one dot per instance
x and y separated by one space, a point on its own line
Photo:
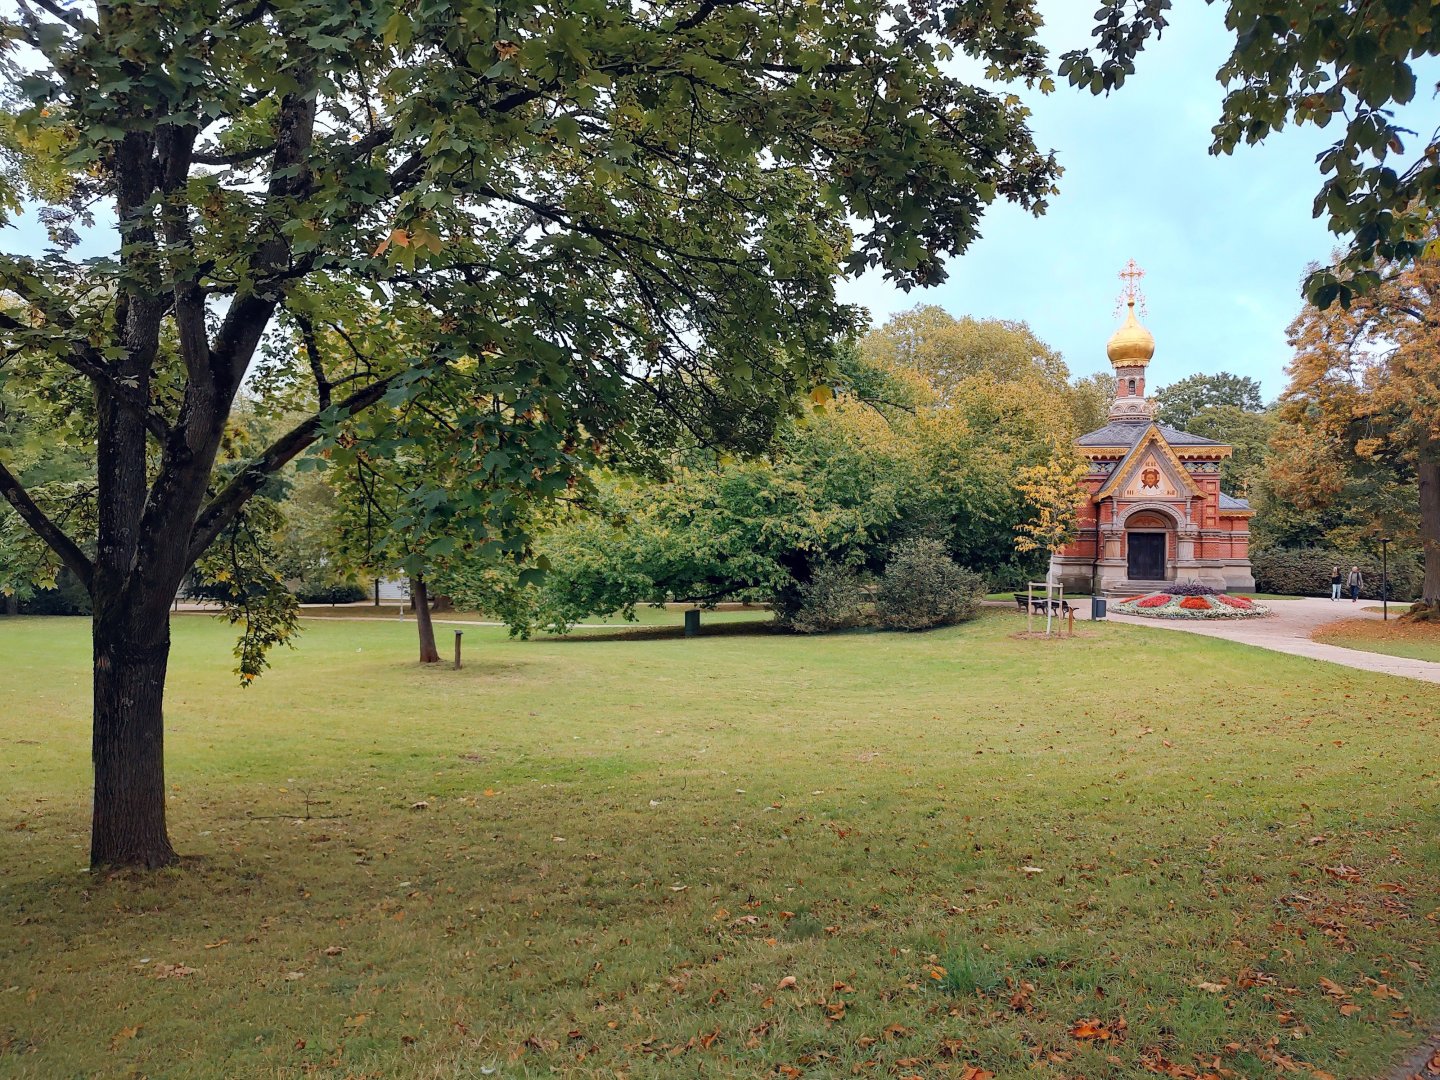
1154 600
1195 603
1241 602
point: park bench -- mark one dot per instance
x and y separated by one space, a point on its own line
1057 607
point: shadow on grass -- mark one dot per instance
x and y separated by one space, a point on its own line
661 633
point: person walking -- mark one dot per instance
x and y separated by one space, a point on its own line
1356 581
1336 580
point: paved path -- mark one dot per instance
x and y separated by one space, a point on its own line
1289 630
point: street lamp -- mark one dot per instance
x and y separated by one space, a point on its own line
1384 577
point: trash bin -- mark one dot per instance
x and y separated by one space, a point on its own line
1097 607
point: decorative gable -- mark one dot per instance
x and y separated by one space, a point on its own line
1151 471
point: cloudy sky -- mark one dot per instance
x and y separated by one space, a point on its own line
1224 241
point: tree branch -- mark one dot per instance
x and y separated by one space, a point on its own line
84 360
224 506
55 538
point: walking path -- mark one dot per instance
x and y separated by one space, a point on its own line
1289 630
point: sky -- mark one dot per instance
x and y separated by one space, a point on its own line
1224 241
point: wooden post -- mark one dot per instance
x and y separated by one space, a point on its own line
458 635
1072 622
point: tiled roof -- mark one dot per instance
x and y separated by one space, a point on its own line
1230 502
1123 433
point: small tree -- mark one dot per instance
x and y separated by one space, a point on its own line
1054 492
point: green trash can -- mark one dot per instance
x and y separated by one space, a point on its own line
1097 607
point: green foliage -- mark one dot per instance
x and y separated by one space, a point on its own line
947 351
887 460
1306 571
1091 398
1179 403
345 592
833 599
1247 433
922 587
68 597
532 237
1313 64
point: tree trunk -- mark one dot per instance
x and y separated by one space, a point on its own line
128 748
12 605
1428 469
420 597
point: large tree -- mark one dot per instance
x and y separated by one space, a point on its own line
619 221
1358 446
1180 402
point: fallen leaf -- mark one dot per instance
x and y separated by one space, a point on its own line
334 950
787 983
1088 1030
124 1035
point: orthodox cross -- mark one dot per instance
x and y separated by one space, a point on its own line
1130 291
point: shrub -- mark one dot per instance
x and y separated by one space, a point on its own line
1193 588
343 592
1306 571
68 597
832 599
923 587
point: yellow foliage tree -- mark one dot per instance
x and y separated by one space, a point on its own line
1055 490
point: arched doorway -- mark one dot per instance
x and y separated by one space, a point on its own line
1148 546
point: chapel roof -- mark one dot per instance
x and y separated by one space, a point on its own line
1128 433
1230 502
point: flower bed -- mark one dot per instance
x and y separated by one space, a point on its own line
1171 606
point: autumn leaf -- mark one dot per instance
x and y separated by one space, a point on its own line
124 1035
1088 1030
787 983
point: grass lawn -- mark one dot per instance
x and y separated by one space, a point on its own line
1122 855
644 616
1419 641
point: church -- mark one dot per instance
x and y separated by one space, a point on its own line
1155 511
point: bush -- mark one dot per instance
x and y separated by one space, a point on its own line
1193 588
344 592
832 599
67 598
923 587
1306 571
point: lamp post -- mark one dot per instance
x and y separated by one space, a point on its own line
1385 577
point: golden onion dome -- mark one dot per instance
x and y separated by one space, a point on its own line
1132 344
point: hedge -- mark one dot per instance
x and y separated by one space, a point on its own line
1306 571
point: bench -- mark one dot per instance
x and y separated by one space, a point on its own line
1057 607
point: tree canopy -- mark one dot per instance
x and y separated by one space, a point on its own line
1179 403
580 230
1357 453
